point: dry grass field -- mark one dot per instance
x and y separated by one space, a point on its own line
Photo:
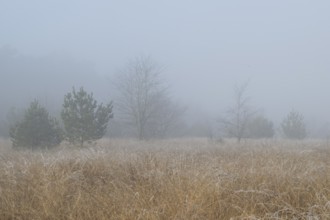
172 179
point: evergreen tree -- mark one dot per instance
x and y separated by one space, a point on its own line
36 130
83 119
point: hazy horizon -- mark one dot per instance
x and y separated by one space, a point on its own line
206 48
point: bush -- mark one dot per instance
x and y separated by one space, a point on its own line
260 127
36 130
83 119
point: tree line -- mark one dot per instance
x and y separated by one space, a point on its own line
144 105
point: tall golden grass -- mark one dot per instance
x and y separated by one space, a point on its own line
173 179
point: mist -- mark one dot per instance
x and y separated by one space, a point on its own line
205 49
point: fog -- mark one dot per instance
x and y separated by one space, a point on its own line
281 48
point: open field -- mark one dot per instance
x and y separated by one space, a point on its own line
172 179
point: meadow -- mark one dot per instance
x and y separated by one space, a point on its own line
168 179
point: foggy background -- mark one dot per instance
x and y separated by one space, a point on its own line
281 48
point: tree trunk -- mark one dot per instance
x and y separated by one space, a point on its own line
81 142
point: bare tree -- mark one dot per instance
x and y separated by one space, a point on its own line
293 126
238 115
143 101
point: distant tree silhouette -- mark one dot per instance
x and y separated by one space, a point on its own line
238 115
293 126
143 101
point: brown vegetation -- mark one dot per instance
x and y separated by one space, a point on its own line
174 179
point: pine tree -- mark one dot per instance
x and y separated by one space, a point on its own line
36 130
83 119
